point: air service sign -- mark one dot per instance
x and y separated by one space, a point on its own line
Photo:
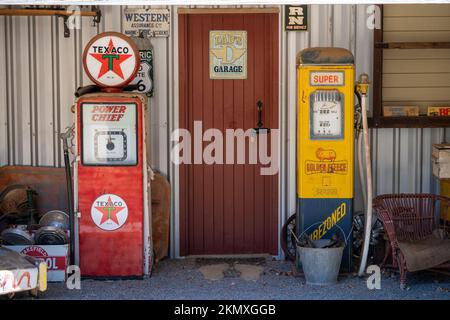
228 54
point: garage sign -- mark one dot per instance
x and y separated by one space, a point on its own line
111 59
227 54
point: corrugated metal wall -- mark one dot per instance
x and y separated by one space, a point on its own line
40 69
39 72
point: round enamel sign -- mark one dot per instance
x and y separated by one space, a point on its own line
109 212
111 59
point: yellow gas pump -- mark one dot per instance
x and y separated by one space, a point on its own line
325 144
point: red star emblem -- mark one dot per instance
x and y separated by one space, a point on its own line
109 212
110 61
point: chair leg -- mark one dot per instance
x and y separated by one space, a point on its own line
387 253
402 268
402 279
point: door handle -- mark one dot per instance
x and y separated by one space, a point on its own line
259 125
259 106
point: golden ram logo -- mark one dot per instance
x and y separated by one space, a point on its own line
323 154
327 163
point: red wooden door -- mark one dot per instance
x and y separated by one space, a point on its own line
228 208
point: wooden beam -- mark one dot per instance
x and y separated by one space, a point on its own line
227 10
412 45
377 77
409 122
44 12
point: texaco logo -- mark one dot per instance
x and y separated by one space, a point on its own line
111 59
109 212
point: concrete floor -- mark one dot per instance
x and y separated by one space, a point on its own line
185 279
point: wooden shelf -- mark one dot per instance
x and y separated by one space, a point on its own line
412 45
409 122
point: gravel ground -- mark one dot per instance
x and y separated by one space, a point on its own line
180 279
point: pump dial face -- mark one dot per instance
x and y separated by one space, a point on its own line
109 134
110 145
326 115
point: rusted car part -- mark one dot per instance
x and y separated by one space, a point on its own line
17 203
21 273
418 238
377 245
52 230
334 242
17 236
65 137
49 235
287 238
48 181
55 218
62 12
160 216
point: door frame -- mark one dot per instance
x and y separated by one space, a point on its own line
174 173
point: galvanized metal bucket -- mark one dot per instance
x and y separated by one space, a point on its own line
320 265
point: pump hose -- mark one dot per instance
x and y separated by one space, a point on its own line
362 177
368 220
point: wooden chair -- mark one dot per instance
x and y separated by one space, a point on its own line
418 237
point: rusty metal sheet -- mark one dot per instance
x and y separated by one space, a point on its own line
160 216
49 183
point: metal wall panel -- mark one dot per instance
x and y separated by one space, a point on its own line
3 94
40 70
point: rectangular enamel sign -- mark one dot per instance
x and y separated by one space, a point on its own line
227 54
326 78
151 22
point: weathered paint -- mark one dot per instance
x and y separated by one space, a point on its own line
118 252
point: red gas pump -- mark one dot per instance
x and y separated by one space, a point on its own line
111 184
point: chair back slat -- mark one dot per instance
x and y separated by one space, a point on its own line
414 216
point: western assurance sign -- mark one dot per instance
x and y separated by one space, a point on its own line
149 22
227 54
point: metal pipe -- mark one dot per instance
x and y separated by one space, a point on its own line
362 178
362 87
65 137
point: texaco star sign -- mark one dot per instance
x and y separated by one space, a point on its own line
109 212
111 59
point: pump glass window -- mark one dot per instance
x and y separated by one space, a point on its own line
109 134
327 115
